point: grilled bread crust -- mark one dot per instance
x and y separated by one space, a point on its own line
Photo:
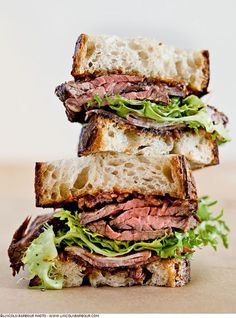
108 132
60 182
97 55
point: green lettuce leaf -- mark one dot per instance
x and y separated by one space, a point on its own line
190 111
42 253
40 258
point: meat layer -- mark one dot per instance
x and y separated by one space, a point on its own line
99 261
129 219
141 219
75 95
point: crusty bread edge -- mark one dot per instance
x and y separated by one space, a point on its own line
80 51
40 169
38 182
184 174
206 71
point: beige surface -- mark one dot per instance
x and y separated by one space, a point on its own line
213 285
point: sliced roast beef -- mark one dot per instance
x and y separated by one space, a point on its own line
141 218
146 219
91 201
22 239
146 206
105 261
76 95
109 210
106 230
137 224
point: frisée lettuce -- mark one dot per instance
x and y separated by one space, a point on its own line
40 258
190 111
42 254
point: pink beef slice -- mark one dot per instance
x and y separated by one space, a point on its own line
76 95
141 219
149 204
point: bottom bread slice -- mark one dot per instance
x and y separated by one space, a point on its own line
163 272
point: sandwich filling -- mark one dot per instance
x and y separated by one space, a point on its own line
147 230
142 102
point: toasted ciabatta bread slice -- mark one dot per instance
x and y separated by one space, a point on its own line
101 54
108 132
61 182
164 272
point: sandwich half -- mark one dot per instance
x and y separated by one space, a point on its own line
146 89
117 222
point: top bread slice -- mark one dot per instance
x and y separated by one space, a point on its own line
101 54
60 182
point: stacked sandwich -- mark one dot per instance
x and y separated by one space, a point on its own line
126 211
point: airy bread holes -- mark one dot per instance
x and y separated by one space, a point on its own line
167 173
130 173
114 163
63 190
135 46
148 179
81 179
143 55
111 134
141 168
129 165
143 159
54 196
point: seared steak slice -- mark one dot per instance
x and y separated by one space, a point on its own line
146 219
147 205
75 95
104 261
105 229
90 201
141 219
131 226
